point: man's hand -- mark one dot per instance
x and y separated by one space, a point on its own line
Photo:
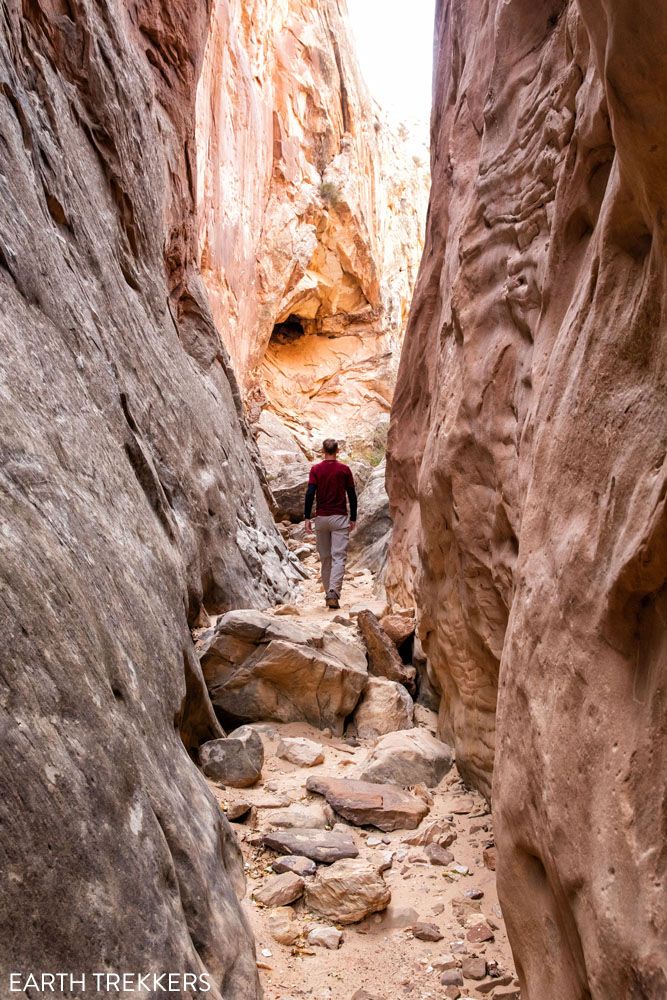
309 527
353 525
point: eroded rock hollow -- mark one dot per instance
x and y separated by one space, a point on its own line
527 471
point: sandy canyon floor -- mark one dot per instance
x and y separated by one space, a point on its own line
378 958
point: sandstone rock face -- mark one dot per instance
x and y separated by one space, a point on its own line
124 453
311 215
527 470
257 666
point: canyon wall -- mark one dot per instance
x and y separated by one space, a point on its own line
527 473
311 216
131 500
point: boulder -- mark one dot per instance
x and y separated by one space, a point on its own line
283 925
387 807
236 760
399 625
408 757
300 751
280 890
348 891
323 846
258 667
294 863
384 708
325 937
300 816
383 658
438 831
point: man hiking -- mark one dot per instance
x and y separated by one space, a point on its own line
331 482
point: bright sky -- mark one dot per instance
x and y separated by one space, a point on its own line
394 41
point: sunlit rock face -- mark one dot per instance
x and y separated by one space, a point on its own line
129 498
527 468
311 218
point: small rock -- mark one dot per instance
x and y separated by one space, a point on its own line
426 932
451 977
280 890
374 841
399 917
473 968
462 807
435 832
294 863
493 984
342 620
237 810
266 953
444 962
300 751
283 926
437 855
474 894
236 760
286 609
325 937
479 933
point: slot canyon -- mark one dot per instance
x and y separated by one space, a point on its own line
216 250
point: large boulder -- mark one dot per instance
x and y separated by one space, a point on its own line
258 667
348 891
384 708
236 760
383 658
323 846
409 757
364 803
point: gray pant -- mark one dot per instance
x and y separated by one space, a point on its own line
332 532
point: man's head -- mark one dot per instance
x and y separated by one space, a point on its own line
330 448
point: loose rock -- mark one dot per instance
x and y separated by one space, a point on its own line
300 816
408 758
236 761
283 926
299 751
427 932
473 968
348 891
363 803
280 890
383 658
323 846
438 855
384 708
325 937
294 863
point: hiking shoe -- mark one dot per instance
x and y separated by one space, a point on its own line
332 600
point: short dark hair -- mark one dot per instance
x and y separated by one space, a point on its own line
330 446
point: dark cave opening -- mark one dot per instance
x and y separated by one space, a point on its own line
288 331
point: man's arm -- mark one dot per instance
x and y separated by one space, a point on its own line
352 500
310 496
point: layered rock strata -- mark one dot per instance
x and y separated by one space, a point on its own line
311 219
527 468
130 501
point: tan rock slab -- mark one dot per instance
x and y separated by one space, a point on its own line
348 891
323 846
363 803
283 926
438 831
407 758
300 751
280 890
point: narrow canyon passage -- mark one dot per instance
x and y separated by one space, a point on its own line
414 912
